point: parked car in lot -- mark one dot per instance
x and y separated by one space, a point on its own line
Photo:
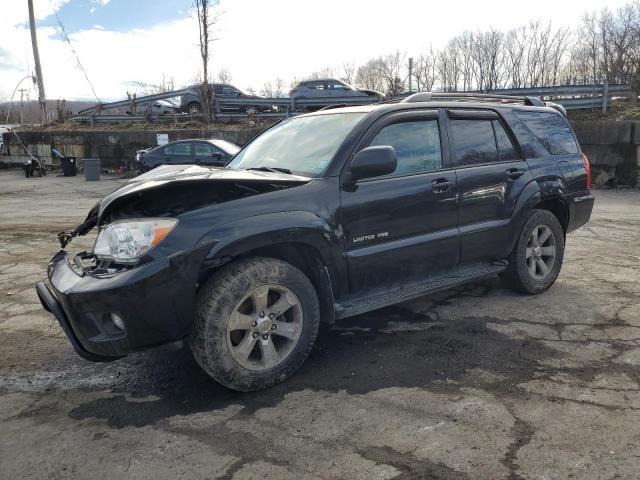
198 151
321 217
190 102
330 88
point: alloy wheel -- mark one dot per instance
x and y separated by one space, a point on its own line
541 252
264 328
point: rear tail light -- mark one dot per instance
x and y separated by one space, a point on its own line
588 169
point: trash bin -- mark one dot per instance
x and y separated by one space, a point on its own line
68 166
91 169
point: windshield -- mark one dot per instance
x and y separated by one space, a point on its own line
303 145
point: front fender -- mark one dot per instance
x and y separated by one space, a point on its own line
235 238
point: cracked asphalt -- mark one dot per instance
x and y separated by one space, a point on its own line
474 383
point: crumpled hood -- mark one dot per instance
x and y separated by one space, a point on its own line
172 175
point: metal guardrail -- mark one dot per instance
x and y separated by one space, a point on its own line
566 91
137 101
574 97
569 96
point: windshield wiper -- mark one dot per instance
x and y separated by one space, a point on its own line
272 169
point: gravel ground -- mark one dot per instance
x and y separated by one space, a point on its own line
474 383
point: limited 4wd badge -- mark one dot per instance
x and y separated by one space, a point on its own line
368 238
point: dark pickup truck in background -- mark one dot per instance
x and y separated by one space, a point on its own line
321 217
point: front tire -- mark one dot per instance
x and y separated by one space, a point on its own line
256 322
536 260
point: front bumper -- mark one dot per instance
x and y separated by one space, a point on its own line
154 301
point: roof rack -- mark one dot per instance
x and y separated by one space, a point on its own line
473 97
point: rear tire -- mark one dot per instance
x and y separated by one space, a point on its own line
194 108
240 338
536 260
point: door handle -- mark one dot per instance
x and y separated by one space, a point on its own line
441 185
514 173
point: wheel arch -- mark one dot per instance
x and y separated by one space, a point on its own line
306 242
558 206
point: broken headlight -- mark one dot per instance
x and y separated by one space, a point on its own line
126 241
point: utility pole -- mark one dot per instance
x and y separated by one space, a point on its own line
36 58
22 90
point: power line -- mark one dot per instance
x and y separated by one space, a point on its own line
73 50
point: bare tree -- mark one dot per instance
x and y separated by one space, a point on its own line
370 75
348 72
326 72
391 66
515 47
273 89
224 75
207 17
448 67
424 71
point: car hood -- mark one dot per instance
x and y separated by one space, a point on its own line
187 176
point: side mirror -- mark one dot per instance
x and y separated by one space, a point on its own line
373 162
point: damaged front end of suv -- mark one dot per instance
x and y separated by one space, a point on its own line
136 288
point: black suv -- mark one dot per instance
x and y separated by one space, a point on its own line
321 217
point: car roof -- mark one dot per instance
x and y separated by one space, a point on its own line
220 143
321 80
383 108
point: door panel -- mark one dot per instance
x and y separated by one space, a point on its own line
490 175
207 154
397 229
181 153
485 206
403 226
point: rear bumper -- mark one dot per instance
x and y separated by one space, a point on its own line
580 211
154 302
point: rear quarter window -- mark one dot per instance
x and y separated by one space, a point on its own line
552 130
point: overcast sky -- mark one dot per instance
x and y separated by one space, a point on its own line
121 42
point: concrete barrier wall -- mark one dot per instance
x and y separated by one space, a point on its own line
114 148
612 147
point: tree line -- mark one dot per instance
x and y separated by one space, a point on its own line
605 46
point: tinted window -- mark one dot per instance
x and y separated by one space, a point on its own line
474 142
203 149
230 91
552 130
506 150
417 145
178 149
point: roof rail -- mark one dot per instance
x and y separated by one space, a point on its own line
477 97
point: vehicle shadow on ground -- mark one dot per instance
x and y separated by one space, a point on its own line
360 355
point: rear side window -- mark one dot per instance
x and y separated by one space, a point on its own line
178 149
506 150
552 131
417 145
474 142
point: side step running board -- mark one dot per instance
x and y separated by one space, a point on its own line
383 298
